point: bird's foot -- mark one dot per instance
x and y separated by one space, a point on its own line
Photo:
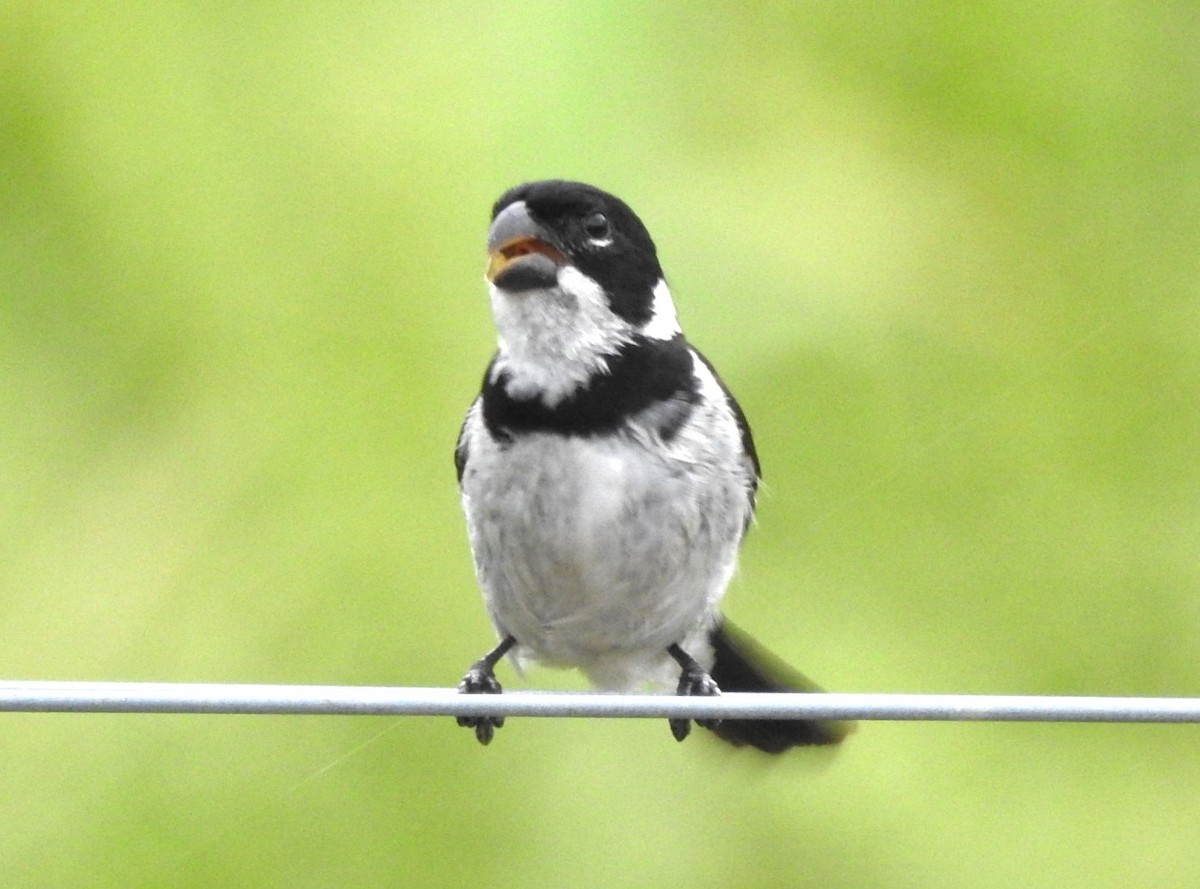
481 680
693 680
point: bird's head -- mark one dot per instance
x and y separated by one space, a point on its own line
574 278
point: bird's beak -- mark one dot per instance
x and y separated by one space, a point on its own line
521 253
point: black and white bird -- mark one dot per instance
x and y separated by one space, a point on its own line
607 474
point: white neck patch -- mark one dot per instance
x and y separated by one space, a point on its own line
663 323
554 341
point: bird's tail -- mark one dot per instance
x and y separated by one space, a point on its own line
741 664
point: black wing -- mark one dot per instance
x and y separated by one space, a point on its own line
461 448
742 423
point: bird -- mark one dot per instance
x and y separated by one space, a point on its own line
607 474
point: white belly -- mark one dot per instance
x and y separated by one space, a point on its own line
593 553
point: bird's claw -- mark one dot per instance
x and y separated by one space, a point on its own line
694 682
480 680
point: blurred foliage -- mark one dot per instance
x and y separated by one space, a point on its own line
946 254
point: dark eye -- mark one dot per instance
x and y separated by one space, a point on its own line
596 227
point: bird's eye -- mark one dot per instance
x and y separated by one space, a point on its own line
596 227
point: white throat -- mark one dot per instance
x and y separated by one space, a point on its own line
553 341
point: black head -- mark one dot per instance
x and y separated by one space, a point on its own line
540 227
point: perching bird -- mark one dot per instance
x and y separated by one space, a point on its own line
607 474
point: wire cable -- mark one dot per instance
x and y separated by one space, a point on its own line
163 697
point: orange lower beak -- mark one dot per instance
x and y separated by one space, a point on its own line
512 251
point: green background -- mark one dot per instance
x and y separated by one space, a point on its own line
946 255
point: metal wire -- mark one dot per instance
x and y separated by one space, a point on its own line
162 697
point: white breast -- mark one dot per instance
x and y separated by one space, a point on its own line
599 552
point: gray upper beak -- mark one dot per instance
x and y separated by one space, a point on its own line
522 254
514 223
